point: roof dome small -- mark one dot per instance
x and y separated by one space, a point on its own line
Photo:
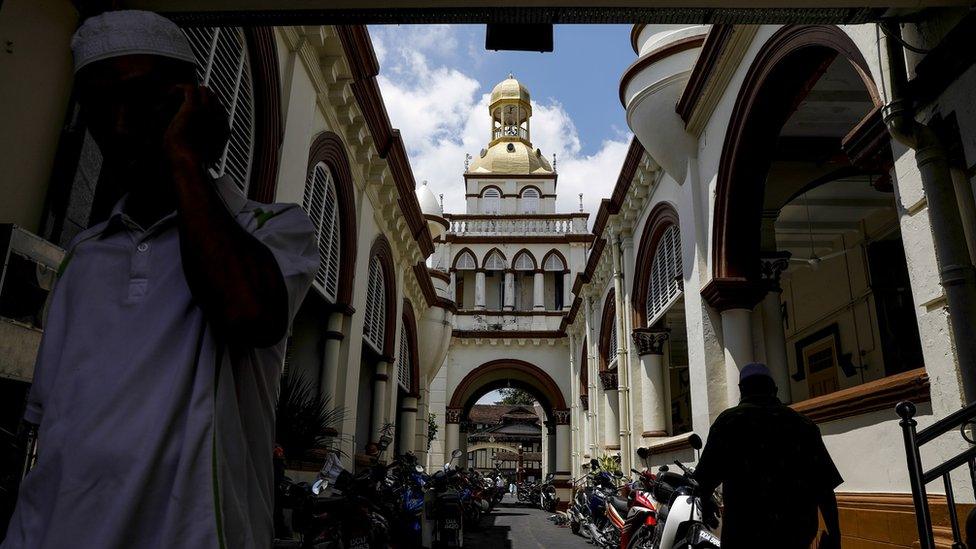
510 89
428 202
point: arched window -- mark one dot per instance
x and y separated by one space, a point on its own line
612 343
495 262
322 206
404 366
554 263
465 262
608 333
491 200
664 286
374 328
524 262
530 200
224 67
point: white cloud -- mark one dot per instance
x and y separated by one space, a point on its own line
441 115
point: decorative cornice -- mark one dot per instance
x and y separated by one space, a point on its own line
453 415
572 215
773 265
469 175
650 341
509 334
881 394
608 379
518 239
561 416
733 293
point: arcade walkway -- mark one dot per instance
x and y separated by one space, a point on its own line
514 526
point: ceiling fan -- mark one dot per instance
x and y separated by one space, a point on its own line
815 260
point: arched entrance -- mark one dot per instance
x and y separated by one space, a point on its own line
805 223
515 373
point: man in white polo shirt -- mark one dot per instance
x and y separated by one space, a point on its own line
156 381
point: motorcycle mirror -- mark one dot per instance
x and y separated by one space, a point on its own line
318 486
456 453
643 453
617 458
419 468
550 476
695 441
618 474
594 463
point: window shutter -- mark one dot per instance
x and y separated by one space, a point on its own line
612 347
530 201
664 286
491 201
404 369
375 322
224 67
322 206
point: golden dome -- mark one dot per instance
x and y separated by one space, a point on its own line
510 158
510 89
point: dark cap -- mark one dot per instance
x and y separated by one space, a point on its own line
754 369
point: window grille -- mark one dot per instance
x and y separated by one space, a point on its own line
554 263
322 206
495 262
664 287
224 67
465 262
404 369
530 201
524 263
374 328
612 344
491 201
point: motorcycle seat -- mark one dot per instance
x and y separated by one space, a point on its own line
620 504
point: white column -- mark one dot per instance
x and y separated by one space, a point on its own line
379 399
509 290
563 444
611 422
330 357
567 291
737 339
452 432
649 344
463 444
538 292
453 289
574 403
773 332
479 290
623 362
408 425
593 379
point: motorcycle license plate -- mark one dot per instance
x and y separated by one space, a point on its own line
359 542
451 524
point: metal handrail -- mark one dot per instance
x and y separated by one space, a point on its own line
919 477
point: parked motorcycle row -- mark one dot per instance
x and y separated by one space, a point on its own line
393 505
539 494
654 510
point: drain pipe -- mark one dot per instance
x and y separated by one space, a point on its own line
956 272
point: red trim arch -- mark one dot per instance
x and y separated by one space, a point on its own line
659 220
784 70
410 325
381 249
268 133
328 148
488 254
561 257
608 314
498 373
535 264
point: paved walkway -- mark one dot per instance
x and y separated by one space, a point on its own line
514 525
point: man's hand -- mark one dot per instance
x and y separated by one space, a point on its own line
199 130
829 540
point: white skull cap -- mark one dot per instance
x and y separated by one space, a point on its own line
128 32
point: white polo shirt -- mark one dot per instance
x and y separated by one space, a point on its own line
153 432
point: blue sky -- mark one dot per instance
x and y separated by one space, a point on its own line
435 80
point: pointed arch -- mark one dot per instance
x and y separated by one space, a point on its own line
554 255
464 254
489 257
584 377
520 258
662 217
327 148
608 331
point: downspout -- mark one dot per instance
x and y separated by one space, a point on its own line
956 272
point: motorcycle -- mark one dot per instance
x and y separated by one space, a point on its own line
607 509
444 524
579 510
547 494
672 514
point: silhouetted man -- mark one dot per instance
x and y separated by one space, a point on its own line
157 376
774 469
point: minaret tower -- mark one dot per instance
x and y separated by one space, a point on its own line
511 111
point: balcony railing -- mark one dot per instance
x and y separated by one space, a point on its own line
521 225
509 132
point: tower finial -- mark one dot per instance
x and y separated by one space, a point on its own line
467 161
581 201
442 202
510 75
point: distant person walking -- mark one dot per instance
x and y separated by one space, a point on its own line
774 469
